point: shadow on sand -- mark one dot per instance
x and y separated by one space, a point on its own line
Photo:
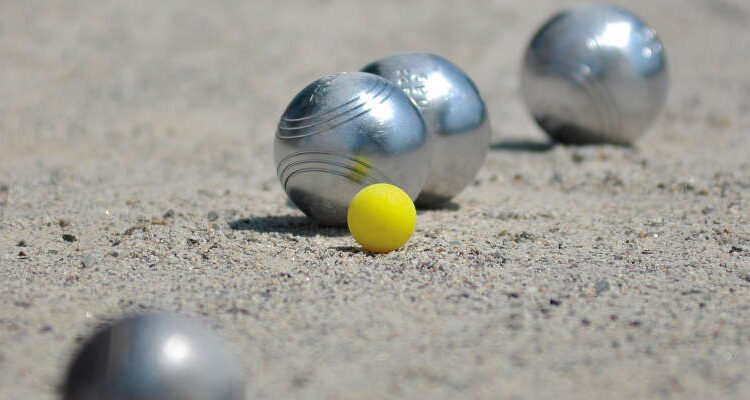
294 224
353 250
523 145
449 206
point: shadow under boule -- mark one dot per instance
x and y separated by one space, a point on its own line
523 145
447 206
294 224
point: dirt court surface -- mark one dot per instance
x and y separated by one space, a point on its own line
136 174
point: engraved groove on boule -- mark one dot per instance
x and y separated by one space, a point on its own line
290 121
599 93
358 166
350 175
604 101
327 112
593 92
351 164
388 96
326 128
335 121
615 111
314 124
307 164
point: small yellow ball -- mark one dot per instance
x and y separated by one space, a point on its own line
381 217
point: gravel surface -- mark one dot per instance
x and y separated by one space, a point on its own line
136 174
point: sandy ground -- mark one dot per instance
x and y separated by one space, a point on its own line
144 132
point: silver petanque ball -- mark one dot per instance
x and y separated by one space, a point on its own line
595 74
455 116
344 132
153 357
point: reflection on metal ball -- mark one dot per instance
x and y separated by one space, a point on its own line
344 132
150 357
455 116
595 74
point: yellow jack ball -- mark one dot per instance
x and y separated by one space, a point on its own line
381 217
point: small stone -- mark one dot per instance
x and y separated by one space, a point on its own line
611 178
132 230
90 260
168 214
212 216
708 210
64 223
4 189
22 304
21 243
656 222
578 158
524 236
601 286
69 238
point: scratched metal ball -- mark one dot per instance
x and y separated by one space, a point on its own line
595 74
344 132
455 116
150 357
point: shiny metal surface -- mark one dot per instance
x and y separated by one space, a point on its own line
455 116
153 357
344 132
595 74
